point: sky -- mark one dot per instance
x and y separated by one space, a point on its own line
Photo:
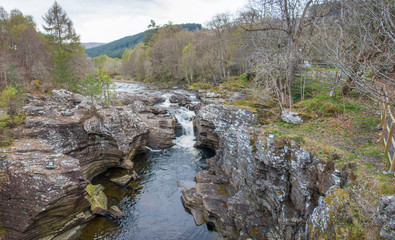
108 20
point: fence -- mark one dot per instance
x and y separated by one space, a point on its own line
387 134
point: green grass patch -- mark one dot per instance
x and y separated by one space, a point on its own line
324 105
200 86
234 84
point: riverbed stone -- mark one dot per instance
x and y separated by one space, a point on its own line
116 212
180 99
98 199
124 180
198 217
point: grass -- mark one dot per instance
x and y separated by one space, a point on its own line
200 86
234 84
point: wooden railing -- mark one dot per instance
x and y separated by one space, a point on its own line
387 134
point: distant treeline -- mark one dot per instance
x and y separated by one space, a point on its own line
116 48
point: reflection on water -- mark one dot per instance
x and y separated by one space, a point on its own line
151 204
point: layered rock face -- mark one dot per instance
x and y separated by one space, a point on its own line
39 201
257 187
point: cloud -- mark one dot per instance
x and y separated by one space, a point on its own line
108 20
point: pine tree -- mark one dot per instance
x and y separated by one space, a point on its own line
65 43
60 28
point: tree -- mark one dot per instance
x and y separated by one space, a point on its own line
221 24
282 24
98 86
65 43
188 62
90 87
360 41
60 28
22 49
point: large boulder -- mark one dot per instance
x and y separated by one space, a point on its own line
180 99
291 117
108 138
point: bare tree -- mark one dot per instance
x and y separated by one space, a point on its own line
360 41
222 25
282 24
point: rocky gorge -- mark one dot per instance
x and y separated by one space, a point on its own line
261 185
258 185
60 148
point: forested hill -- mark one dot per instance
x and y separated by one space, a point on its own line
116 48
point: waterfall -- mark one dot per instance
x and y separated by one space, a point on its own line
184 117
166 103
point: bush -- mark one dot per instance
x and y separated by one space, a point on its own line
11 113
11 100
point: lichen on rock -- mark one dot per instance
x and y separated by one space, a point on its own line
97 199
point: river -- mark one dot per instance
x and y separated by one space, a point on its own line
152 204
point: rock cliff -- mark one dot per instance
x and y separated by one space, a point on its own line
257 187
60 148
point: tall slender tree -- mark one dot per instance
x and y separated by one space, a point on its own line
65 43
60 28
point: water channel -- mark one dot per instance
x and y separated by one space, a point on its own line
152 204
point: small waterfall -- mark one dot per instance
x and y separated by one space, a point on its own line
166 103
184 117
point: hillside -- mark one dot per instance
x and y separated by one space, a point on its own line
116 48
91 44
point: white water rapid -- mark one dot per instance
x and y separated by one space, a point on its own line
187 140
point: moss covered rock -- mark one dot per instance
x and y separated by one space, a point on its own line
97 199
335 217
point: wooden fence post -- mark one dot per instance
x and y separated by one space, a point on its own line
389 139
327 75
382 108
392 164
384 126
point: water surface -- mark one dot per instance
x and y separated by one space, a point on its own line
152 204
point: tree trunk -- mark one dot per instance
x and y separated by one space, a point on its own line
346 88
